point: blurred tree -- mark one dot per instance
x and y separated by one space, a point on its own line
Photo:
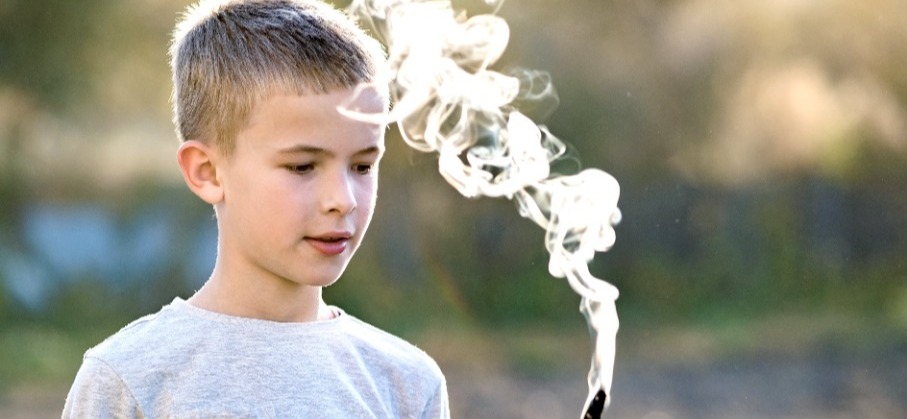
45 48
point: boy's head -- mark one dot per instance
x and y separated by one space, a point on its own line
293 181
228 55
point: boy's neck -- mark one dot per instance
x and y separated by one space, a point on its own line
280 303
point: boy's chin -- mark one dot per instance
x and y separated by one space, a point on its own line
325 281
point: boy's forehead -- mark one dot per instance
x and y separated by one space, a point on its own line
309 115
318 108
366 97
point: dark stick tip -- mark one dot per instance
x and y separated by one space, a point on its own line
596 406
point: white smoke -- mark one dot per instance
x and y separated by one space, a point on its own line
447 100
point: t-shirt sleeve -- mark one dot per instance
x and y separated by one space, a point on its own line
438 406
99 392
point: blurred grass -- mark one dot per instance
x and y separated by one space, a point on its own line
42 354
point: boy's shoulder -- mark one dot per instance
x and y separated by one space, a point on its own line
135 340
380 341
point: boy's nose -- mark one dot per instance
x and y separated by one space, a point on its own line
338 195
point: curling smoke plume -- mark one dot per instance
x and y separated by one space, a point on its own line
448 101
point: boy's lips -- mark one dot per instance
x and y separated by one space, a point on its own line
330 244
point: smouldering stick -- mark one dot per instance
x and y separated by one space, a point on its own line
447 100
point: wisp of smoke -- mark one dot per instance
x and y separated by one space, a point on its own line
447 100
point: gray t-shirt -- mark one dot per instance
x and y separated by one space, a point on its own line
186 362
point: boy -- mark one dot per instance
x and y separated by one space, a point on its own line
257 84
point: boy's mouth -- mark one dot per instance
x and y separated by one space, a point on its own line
330 243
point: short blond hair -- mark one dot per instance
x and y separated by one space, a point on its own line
227 55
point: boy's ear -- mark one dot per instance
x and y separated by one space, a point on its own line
199 167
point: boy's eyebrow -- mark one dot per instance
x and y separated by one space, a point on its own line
302 148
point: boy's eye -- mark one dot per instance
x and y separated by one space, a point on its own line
301 168
363 169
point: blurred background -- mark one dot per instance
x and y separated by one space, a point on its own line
761 149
